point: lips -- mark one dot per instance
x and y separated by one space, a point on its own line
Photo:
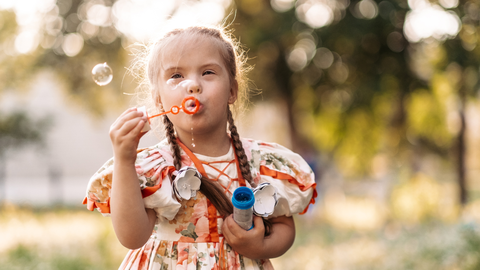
191 106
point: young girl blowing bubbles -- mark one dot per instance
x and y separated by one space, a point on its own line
137 186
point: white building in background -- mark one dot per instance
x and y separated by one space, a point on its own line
77 144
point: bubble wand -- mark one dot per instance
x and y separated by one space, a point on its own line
190 105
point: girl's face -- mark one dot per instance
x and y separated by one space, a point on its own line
194 66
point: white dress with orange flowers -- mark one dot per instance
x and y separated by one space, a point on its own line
187 233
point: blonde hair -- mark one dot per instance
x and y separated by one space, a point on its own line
148 62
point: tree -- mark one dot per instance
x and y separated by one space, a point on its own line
352 82
333 77
17 129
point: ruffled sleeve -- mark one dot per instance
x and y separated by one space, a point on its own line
153 168
287 171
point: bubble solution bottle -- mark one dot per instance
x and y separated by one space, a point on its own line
243 201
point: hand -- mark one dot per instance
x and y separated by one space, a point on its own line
247 243
125 134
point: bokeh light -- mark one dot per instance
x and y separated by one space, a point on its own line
365 9
282 5
302 53
41 22
26 42
323 58
427 20
72 44
144 20
316 14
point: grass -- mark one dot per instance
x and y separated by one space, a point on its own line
76 239
428 246
61 238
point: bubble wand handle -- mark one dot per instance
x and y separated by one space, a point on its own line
190 105
243 201
175 109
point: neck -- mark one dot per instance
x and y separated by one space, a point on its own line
212 145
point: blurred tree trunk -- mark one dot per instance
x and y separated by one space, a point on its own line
3 174
282 76
460 149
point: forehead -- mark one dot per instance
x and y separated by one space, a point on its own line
190 50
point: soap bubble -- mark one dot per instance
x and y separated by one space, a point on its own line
102 74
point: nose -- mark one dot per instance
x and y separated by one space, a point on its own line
193 87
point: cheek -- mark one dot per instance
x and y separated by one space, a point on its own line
170 99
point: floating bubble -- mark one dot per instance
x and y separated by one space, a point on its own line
102 74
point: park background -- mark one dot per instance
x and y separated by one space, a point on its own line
380 97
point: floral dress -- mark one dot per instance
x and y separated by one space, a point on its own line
187 233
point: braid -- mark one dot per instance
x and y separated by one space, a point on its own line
210 189
170 132
237 143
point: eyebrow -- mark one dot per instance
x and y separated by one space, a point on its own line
176 68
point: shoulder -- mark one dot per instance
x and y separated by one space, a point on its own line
257 149
152 165
152 161
252 144
155 152
286 170
273 156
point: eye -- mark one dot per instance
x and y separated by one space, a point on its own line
208 72
176 76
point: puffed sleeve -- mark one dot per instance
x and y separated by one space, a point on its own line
287 171
153 167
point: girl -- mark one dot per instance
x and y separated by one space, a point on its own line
136 187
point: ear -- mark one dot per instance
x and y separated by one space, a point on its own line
233 92
156 98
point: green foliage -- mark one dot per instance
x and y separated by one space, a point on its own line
15 70
23 257
347 108
431 245
18 128
428 245
99 252
75 71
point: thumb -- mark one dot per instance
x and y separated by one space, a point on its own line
258 223
140 128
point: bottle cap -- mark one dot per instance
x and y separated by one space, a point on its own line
243 198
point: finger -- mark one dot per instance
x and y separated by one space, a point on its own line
138 128
235 229
124 125
131 128
226 231
129 116
258 224
143 132
123 114
124 117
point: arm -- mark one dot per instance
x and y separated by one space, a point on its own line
253 244
133 224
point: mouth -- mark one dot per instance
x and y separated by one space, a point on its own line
191 106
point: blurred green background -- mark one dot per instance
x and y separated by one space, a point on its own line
380 97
